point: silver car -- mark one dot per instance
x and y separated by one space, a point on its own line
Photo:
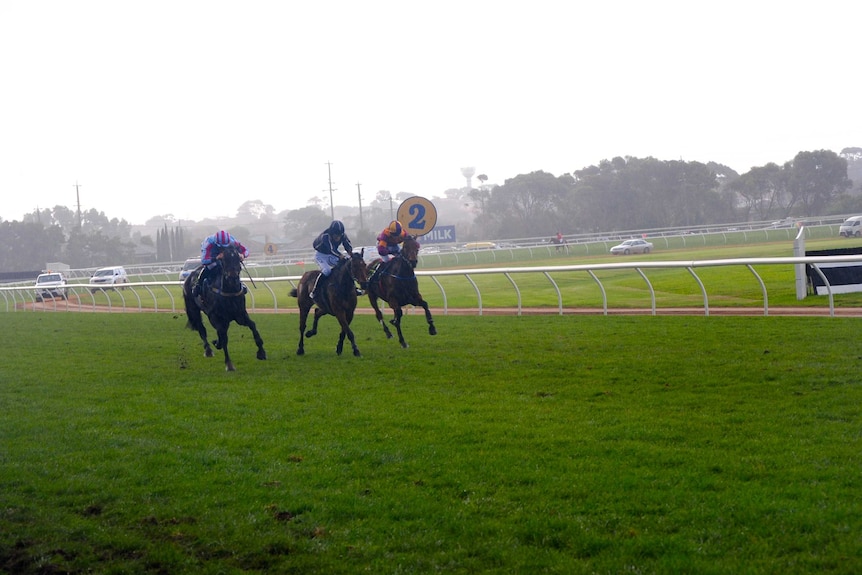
632 247
50 285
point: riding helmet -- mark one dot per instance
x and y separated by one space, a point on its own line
336 227
222 238
395 228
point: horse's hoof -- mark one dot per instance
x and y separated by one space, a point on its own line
432 330
388 335
208 353
310 333
261 355
404 344
300 352
229 367
356 353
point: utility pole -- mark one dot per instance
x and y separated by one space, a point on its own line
359 193
78 197
331 205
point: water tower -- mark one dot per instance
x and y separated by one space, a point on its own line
468 174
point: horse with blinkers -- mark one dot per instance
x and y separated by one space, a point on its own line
223 301
395 283
335 296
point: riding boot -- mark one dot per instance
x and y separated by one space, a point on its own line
198 291
204 283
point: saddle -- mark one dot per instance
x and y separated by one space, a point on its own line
377 268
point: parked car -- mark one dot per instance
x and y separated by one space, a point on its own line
50 285
851 228
108 277
480 246
632 247
188 267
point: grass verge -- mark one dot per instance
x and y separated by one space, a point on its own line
510 445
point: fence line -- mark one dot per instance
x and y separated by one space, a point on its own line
137 296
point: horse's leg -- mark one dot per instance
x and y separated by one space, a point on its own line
431 329
246 320
378 314
348 319
303 321
339 347
317 315
221 343
396 321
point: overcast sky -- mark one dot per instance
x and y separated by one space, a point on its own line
192 107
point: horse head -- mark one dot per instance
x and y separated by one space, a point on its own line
231 267
358 268
410 250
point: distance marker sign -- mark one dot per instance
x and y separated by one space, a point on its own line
418 215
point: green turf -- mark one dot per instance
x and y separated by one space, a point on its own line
502 445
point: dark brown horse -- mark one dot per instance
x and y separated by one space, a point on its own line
395 283
223 302
336 297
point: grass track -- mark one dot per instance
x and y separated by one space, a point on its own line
509 445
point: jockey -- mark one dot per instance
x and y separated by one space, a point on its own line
389 240
211 248
326 246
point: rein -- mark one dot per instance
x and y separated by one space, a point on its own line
390 274
225 275
248 274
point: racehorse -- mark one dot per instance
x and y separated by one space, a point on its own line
337 296
222 302
396 284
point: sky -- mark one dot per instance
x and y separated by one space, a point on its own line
191 108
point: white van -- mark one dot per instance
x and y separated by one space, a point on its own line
108 277
851 228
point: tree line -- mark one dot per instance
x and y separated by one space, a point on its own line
81 241
645 193
617 194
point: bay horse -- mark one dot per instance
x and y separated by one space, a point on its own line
396 284
223 302
336 297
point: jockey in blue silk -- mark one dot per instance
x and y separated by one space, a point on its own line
211 247
326 252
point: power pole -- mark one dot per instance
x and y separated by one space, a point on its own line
331 205
78 197
359 192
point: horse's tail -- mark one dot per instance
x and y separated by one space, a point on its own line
193 312
294 293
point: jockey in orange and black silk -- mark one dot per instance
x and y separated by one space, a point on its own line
390 239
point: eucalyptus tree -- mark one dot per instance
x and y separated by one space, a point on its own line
815 179
529 205
762 192
642 193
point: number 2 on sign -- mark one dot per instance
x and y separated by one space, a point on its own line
418 213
